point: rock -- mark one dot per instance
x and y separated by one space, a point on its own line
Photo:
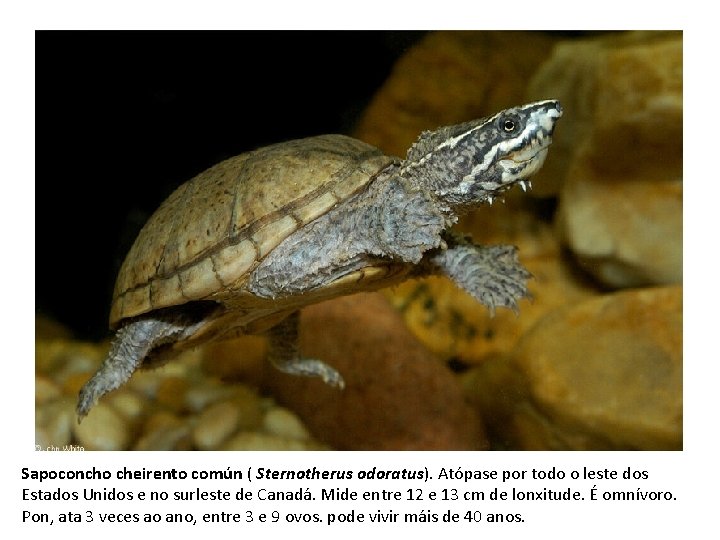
264 441
53 423
177 406
236 359
171 392
397 395
640 108
619 165
626 233
284 423
165 438
164 430
162 419
205 392
215 424
605 374
127 403
596 79
250 405
43 440
103 429
145 382
45 390
498 391
63 358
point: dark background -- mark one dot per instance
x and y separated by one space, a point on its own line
122 118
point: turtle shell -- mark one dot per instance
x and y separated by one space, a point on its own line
212 232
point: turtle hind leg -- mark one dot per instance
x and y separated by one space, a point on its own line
131 345
284 354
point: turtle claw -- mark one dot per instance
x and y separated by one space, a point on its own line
309 367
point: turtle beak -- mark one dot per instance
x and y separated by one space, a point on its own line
518 166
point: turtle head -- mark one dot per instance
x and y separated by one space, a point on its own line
471 163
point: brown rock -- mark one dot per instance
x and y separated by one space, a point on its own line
620 154
215 424
205 392
638 125
236 359
54 421
45 390
62 358
103 429
127 403
606 374
397 395
499 392
164 430
626 233
264 441
250 407
284 423
171 392
241 412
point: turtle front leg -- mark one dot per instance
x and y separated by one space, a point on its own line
490 274
285 356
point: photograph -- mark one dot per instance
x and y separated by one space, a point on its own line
359 240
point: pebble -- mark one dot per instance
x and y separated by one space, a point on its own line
215 424
45 390
285 423
166 438
265 441
172 391
206 392
66 357
250 406
236 359
103 429
127 403
164 430
175 407
53 423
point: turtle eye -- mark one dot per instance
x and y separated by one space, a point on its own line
509 124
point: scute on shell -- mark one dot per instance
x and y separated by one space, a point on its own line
213 230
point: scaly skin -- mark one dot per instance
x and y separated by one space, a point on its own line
401 218
132 344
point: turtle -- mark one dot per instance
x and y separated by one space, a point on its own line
243 246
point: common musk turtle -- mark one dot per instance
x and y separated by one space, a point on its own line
244 245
